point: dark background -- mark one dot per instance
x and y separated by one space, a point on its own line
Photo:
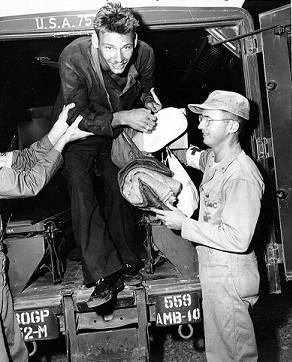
256 7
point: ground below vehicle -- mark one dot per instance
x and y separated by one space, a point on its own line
190 64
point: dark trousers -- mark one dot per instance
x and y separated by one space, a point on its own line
105 235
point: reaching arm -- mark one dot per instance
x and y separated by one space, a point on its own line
239 218
238 221
30 169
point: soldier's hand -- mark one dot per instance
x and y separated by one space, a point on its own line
74 133
61 124
172 219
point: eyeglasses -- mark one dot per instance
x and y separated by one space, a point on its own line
208 119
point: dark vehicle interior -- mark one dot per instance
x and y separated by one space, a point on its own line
188 67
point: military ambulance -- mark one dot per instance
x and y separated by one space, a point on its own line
200 46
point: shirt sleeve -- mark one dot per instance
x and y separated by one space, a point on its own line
28 157
74 90
239 218
30 171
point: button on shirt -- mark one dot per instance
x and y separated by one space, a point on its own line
230 200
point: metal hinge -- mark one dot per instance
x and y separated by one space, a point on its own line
253 44
264 148
274 257
279 251
275 254
280 30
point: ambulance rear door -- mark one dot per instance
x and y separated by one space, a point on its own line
276 50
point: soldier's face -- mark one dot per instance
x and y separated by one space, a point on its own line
214 125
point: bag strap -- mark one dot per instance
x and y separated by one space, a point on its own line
137 152
168 152
96 67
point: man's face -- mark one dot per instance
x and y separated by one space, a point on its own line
214 125
116 49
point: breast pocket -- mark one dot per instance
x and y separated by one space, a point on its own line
212 203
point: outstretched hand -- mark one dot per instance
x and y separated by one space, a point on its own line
61 123
172 219
62 133
60 126
74 133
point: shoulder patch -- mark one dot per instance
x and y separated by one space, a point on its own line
194 150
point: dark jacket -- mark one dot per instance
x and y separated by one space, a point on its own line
95 94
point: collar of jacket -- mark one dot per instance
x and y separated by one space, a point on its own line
221 167
224 164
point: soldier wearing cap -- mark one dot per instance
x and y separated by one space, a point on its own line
230 201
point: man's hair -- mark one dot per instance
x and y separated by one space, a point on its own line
112 17
242 124
239 119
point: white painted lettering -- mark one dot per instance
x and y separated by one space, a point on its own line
196 314
65 23
190 317
158 319
42 331
53 23
44 314
17 318
35 316
88 21
27 333
187 300
177 301
80 19
177 318
25 318
168 302
39 23
167 318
